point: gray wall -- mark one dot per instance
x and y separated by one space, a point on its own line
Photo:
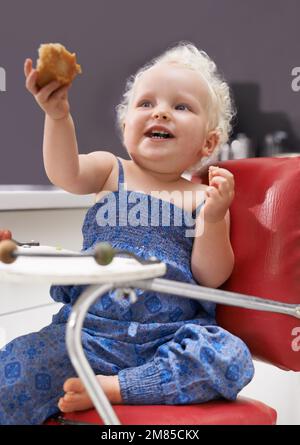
255 44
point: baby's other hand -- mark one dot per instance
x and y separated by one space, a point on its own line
219 194
52 98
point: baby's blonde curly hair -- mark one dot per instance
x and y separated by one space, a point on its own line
221 108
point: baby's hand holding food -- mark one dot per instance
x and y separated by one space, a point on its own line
50 81
52 98
219 194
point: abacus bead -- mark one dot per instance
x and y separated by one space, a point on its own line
7 248
103 253
5 234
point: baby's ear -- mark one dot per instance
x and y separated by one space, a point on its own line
211 143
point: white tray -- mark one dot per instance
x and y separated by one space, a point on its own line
82 270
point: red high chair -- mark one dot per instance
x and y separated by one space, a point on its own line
265 234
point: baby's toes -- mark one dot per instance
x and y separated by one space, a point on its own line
64 406
74 402
70 397
73 384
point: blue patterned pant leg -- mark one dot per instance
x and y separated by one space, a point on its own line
33 369
200 363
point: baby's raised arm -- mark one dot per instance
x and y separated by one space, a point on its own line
81 174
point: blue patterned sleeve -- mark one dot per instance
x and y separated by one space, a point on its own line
199 364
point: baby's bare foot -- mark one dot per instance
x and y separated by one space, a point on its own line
76 397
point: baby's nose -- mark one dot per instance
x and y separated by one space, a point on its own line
161 115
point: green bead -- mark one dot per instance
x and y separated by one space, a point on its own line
104 254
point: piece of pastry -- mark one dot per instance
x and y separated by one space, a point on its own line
56 63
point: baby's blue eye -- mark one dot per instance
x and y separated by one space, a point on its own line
142 104
182 105
147 104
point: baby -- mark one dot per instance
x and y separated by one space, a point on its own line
162 349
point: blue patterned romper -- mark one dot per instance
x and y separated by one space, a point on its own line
165 349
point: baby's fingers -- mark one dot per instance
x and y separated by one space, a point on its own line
212 192
31 82
217 181
224 187
43 95
217 171
61 93
27 67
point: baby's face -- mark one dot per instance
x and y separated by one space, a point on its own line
174 99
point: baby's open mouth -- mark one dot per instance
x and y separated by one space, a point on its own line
159 135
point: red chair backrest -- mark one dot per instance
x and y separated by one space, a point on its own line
265 235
